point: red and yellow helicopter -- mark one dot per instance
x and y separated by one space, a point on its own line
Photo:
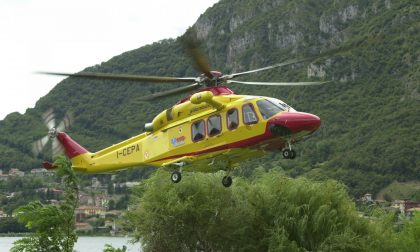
213 129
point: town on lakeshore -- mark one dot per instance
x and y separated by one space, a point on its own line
100 204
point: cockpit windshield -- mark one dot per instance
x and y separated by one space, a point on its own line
282 104
270 106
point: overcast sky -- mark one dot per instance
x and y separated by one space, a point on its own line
70 35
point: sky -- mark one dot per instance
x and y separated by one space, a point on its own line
70 35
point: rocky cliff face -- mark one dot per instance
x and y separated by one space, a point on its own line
286 28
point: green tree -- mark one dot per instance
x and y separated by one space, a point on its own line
110 248
110 187
10 225
111 204
267 213
52 226
409 238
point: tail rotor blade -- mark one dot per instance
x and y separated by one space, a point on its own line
57 148
39 145
66 123
49 119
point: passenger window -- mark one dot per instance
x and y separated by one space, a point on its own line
249 115
198 130
214 125
232 119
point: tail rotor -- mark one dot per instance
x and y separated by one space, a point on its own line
53 130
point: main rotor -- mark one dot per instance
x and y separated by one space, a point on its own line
207 78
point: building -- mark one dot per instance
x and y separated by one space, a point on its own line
94 199
113 214
409 205
83 227
84 198
109 223
129 184
84 212
3 214
51 193
96 183
367 198
4 177
14 172
405 205
102 200
41 172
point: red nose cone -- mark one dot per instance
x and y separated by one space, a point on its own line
297 121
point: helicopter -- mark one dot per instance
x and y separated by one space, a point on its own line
210 130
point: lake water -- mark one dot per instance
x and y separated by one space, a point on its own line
84 244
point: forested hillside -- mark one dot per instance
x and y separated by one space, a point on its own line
370 133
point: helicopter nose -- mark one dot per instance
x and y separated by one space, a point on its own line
294 122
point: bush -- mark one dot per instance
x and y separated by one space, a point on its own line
268 213
52 226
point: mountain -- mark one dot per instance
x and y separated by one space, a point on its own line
370 112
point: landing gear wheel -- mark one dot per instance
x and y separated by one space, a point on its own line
176 176
287 154
292 154
227 181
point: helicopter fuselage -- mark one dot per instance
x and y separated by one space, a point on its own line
211 130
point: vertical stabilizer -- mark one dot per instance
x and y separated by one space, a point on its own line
71 147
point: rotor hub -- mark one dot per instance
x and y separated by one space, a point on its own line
52 133
216 80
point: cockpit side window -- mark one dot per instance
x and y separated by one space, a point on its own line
198 131
214 125
248 114
232 119
268 108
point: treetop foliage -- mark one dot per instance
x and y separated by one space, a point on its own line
52 225
269 212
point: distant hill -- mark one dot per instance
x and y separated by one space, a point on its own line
370 113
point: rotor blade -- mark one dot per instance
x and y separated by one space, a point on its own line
279 83
289 62
295 61
57 148
66 123
129 77
49 118
198 56
201 61
39 145
170 92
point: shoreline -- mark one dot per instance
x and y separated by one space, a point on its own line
85 243
78 235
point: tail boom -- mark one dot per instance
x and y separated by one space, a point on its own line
115 157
